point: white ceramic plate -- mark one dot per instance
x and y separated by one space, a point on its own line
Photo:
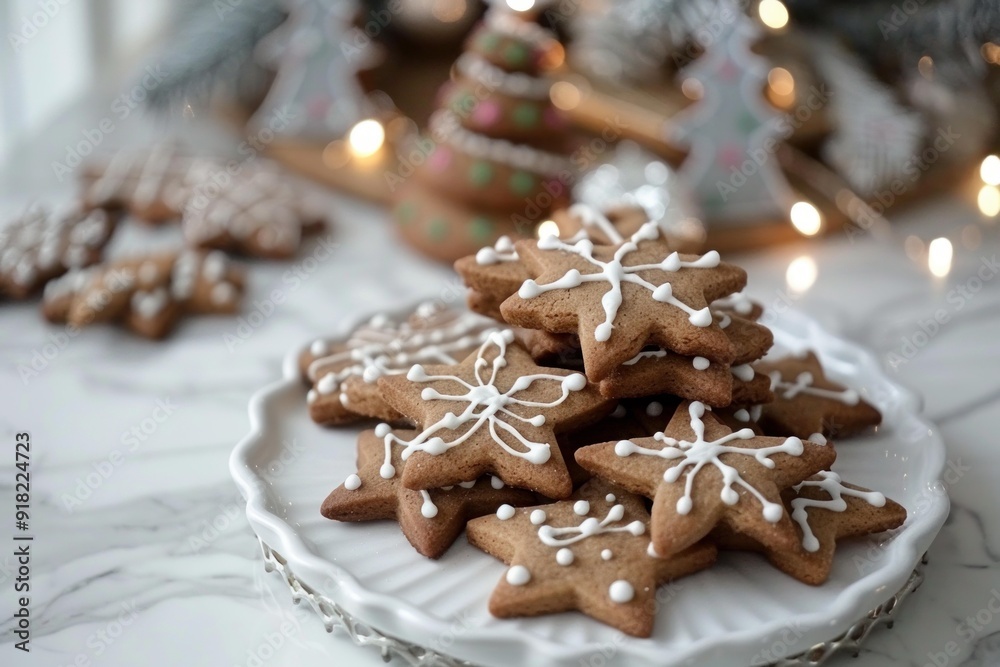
739 612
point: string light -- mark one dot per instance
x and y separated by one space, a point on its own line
781 81
773 13
989 170
806 218
366 138
565 95
547 228
520 5
939 254
801 274
989 201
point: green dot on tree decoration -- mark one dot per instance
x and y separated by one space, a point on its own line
405 212
488 41
516 54
481 229
748 123
526 115
481 174
437 229
522 183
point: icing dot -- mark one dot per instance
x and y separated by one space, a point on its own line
318 348
564 557
387 471
773 512
700 363
581 507
619 412
352 482
505 512
538 516
610 498
575 382
621 592
522 183
496 483
741 415
428 509
607 555
486 113
654 409
651 551
518 575
311 396
744 372
382 430
439 159
817 438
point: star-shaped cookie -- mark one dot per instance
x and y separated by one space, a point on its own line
700 473
342 373
148 294
496 412
621 299
430 520
256 212
589 554
806 402
40 245
825 510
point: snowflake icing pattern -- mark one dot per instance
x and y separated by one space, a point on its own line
486 403
699 453
614 273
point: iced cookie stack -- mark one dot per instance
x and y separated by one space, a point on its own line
593 426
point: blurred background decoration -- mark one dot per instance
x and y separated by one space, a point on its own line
777 119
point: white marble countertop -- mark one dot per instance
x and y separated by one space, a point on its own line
146 558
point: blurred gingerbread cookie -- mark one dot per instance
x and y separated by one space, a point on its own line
146 183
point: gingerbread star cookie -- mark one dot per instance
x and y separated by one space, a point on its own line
342 373
255 212
825 510
39 246
496 412
590 554
700 473
621 299
806 402
146 183
495 273
430 520
148 295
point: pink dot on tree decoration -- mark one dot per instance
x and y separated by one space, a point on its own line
553 119
731 155
439 159
317 107
486 113
727 70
